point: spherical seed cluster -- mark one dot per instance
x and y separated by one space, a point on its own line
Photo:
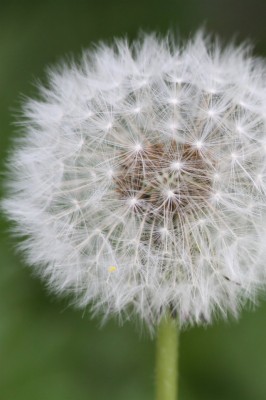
139 185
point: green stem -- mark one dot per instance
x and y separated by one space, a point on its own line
167 359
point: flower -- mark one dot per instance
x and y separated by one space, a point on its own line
139 184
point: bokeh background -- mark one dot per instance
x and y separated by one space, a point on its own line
48 350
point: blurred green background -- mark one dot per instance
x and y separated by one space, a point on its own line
48 350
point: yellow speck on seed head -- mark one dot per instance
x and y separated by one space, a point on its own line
112 268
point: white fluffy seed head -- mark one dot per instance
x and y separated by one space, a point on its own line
140 183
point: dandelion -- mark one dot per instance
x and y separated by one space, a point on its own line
139 184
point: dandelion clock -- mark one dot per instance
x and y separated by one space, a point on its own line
139 184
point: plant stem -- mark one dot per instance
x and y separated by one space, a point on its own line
167 359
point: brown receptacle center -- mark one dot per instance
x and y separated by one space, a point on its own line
162 179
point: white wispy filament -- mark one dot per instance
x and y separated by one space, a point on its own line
139 184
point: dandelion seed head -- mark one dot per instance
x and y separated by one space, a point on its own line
139 183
